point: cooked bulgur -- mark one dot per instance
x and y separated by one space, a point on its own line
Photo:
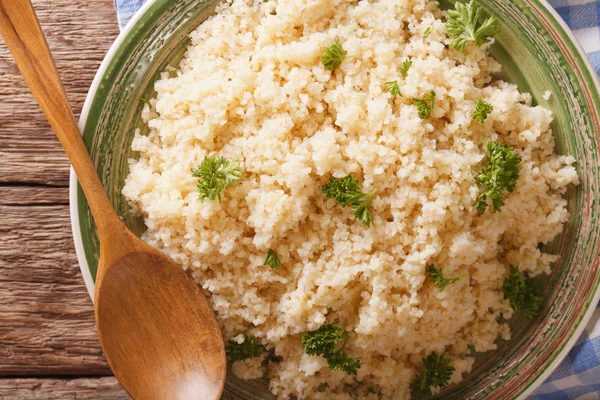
252 87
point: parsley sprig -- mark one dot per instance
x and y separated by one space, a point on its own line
500 175
334 55
437 277
250 348
322 343
404 67
482 109
437 372
215 174
347 192
522 292
464 25
393 88
425 106
272 260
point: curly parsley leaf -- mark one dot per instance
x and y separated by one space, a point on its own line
347 192
339 360
361 210
250 348
393 88
322 343
272 260
403 69
425 106
522 292
215 174
437 277
464 25
500 175
436 373
334 55
482 109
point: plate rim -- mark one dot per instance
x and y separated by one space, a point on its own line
566 33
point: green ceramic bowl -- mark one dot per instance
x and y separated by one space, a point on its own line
538 53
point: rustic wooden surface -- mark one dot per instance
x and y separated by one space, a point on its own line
63 389
48 343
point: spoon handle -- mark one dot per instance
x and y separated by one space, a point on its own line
24 37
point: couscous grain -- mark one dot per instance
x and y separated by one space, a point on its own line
252 87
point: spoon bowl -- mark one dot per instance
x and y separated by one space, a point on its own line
143 335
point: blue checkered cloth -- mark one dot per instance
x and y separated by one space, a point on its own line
578 377
583 17
126 9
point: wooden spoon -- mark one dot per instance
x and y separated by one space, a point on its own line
158 332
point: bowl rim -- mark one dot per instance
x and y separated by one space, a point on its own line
73 181
566 33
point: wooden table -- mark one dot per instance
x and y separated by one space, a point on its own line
48 343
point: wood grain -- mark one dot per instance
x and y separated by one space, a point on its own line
157 330
63 389
46 317
24 37
33 195
79 34
47 321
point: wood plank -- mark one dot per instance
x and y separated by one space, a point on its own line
36 245
46 316
64 389
33 195
79 34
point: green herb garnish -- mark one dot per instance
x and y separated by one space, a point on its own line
215 174
436 373
464 25
425 106
427 31
322 343
522 292
250 348
403 69
393 88
334 55
437 277
482 109
347 193
500 175
272 260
